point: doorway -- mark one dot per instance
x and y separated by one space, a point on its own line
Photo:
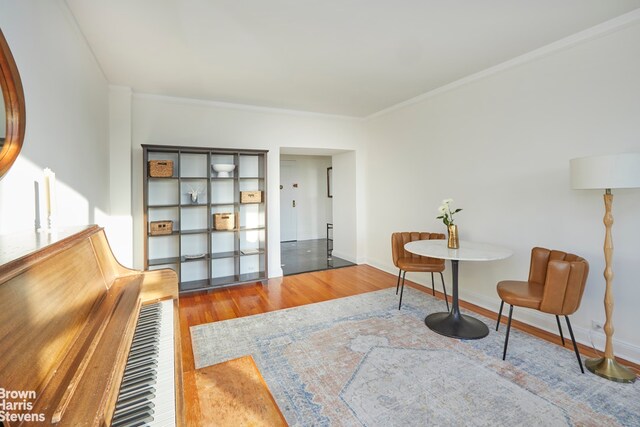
306 212
288 214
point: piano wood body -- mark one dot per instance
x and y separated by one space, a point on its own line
67 315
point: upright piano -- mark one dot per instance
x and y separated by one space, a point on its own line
85 341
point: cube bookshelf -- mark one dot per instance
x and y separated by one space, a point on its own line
206 257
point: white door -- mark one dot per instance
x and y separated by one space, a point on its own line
288 215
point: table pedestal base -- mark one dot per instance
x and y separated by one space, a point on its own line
456 326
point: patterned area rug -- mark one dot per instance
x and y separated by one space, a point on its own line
359 361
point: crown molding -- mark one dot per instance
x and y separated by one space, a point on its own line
66 10
600 30
243 107
594 32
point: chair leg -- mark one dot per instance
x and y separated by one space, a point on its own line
560 329
575 346
506 339
433 286
398 284
401 290
499 314
444 288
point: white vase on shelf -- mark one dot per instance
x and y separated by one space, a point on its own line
223 169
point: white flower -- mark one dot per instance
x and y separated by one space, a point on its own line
447 212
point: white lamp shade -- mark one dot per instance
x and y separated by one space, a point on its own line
609 171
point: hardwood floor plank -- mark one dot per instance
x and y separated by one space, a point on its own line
308 288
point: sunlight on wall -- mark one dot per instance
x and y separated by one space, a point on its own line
23 200
119 229
17 197
252 220
23 207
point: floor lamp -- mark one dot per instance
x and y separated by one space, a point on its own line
605 173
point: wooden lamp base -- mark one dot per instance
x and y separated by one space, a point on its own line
606 366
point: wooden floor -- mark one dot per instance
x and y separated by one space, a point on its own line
292 291
283 292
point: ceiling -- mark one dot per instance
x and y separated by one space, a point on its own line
342 57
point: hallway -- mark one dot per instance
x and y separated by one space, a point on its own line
308 255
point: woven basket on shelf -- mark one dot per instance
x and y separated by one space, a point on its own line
224 221
160 168
251 197
159 228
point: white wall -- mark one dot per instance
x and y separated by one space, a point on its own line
171 121
312 204
67 112
120 223
500 147
345 201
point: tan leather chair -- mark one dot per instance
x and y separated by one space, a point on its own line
406 261
555 286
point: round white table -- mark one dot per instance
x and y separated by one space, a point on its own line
454 324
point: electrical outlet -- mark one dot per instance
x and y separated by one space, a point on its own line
596 325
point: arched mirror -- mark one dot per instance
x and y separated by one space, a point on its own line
12 112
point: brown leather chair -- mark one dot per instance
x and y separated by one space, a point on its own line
406 261
555 286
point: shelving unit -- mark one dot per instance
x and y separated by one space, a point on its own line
203 256
330 245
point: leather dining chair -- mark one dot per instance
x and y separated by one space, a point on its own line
405 261
555 286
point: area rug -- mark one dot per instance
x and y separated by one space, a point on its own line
358 361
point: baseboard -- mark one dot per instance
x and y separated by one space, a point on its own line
344 256
529 317
389 268
548 323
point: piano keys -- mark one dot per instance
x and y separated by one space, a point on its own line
146 393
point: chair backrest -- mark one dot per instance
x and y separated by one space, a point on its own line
398 240
563 276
